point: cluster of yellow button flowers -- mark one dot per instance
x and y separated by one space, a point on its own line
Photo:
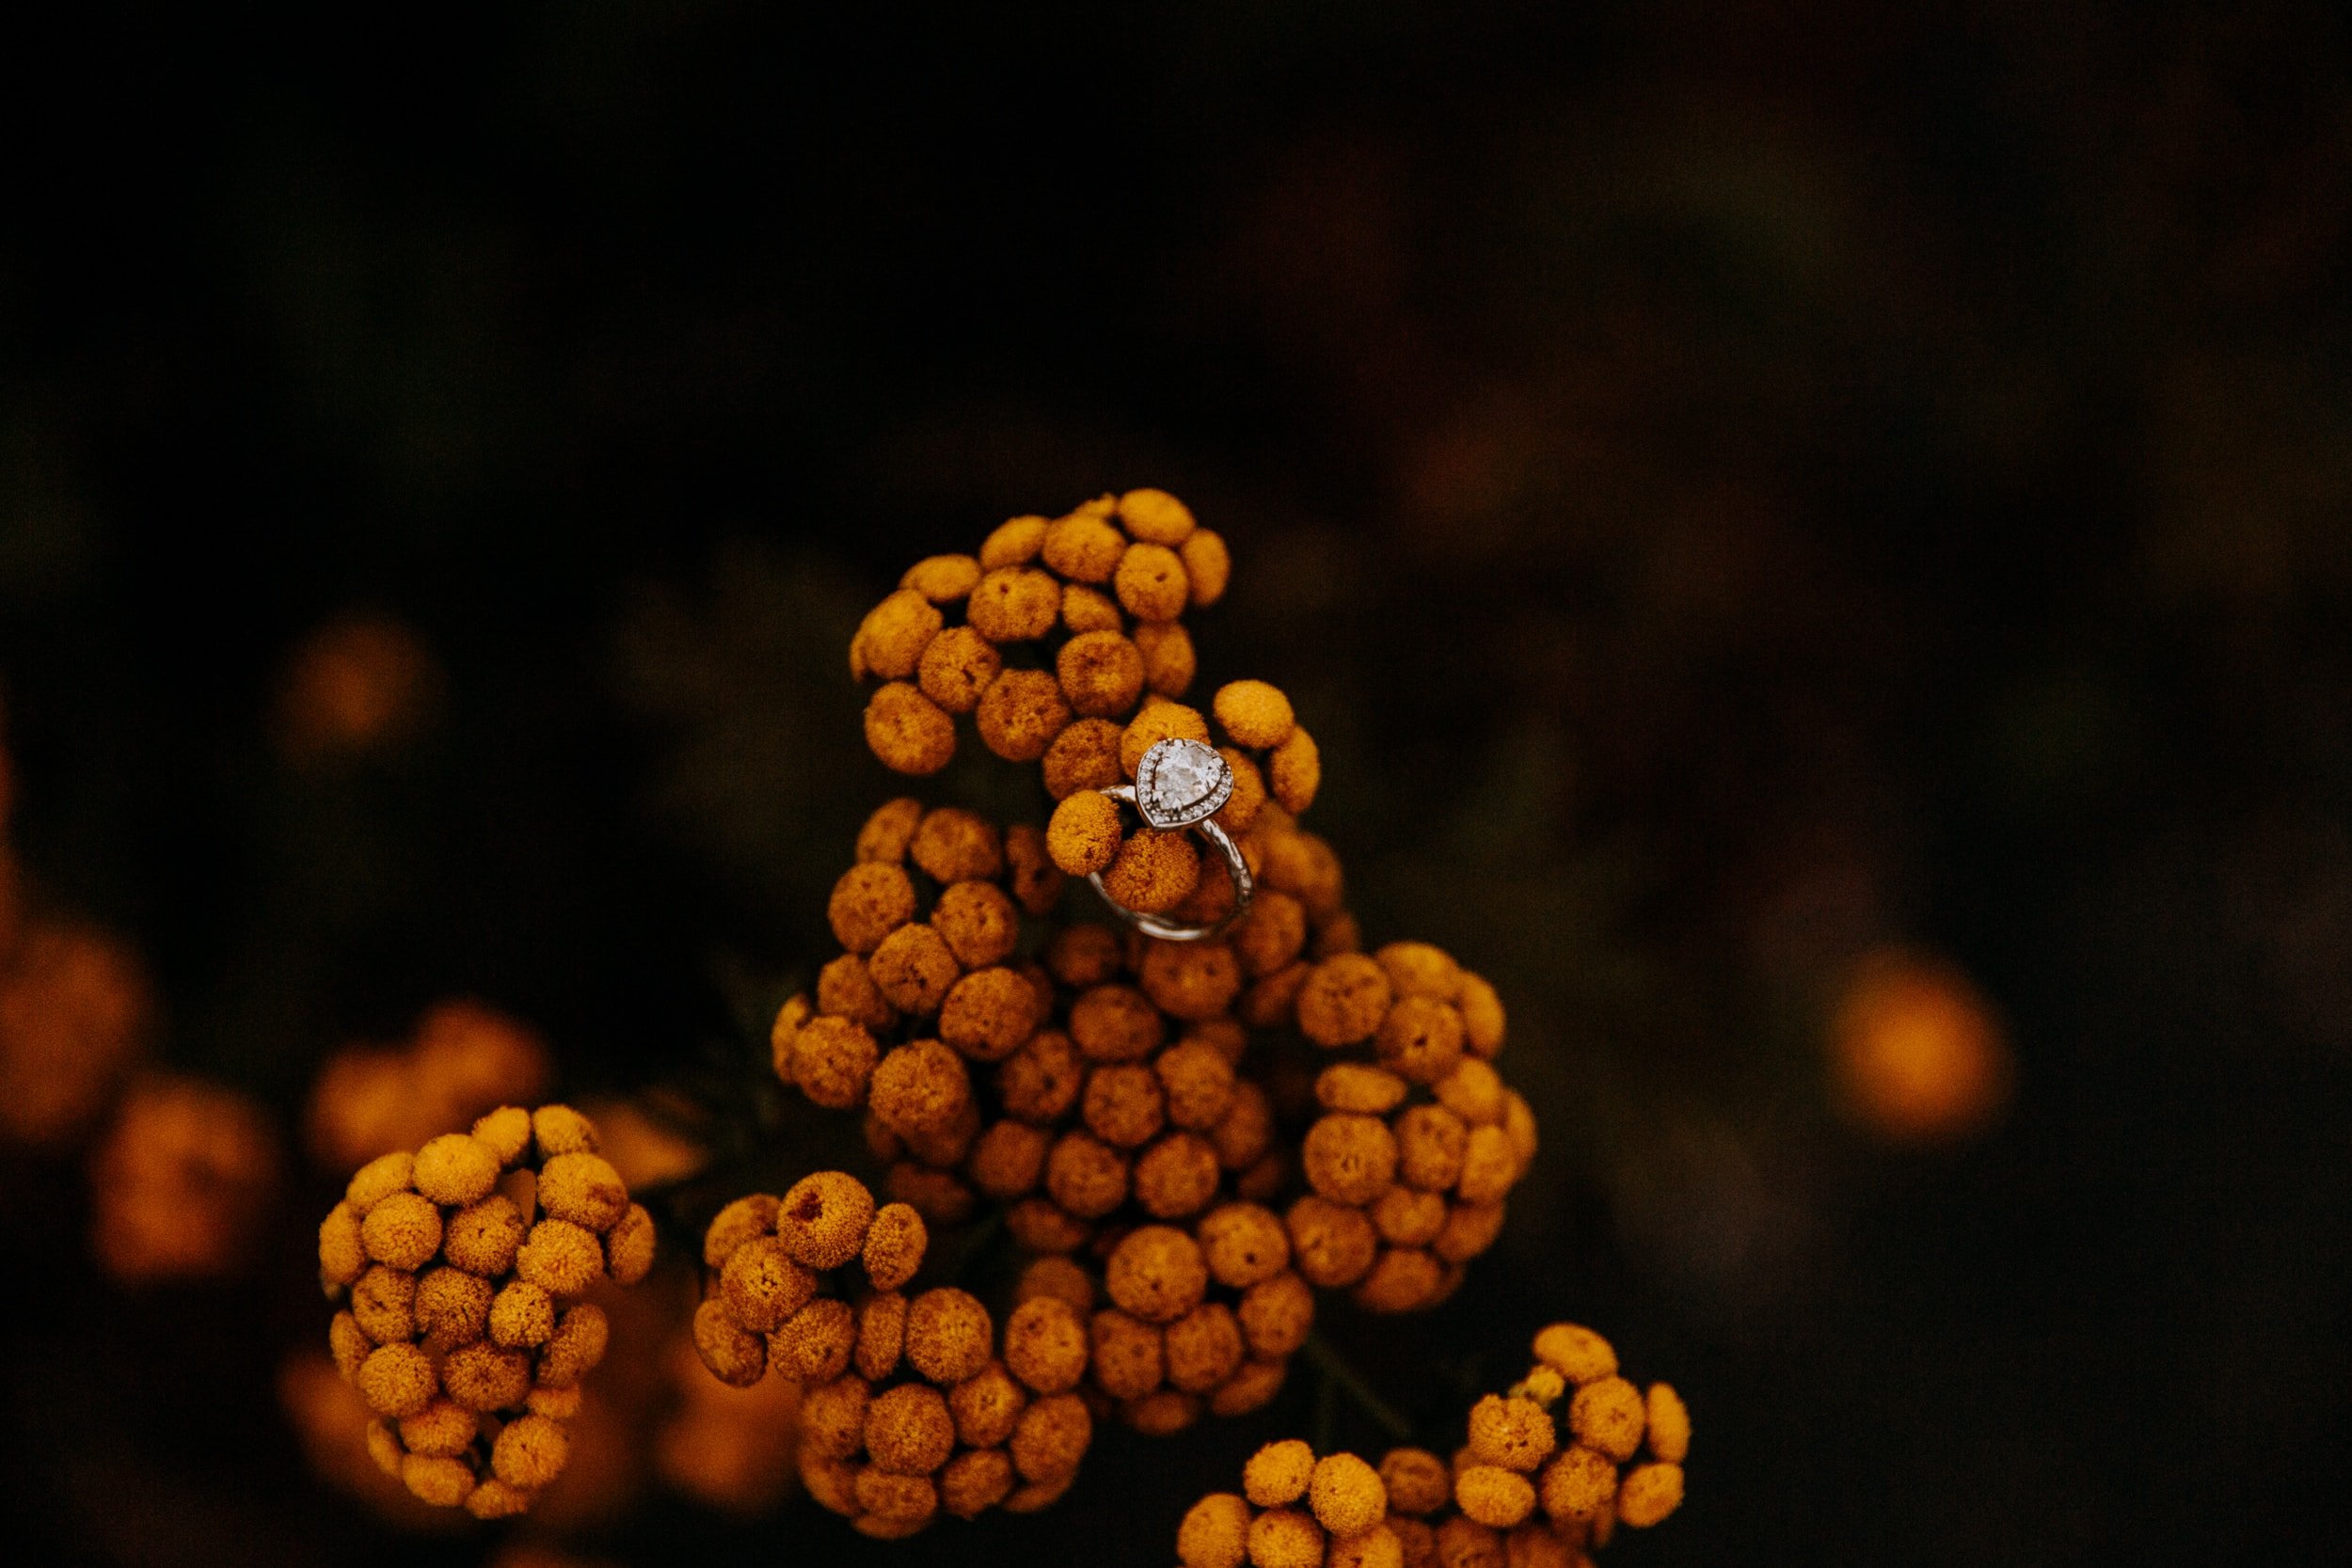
459 1270
1520 1492
1189 1139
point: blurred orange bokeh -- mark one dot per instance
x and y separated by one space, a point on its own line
1918 1054
74 1015
464 1060
359 682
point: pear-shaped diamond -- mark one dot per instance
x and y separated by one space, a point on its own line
1179 783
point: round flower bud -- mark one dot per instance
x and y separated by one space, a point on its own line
737 1222
1489 1166
814 1344
1346 1494
1150 582
483 1377
1343 1001
942 578
628 1247
908 731
1516 1434
1349 1159
1483 1019
1669 1424
383 1304
1469 1230
1202 1347
453 1309
348 1344
1576 1353
987 1405
1401 1279
442 1430
1157 1274
1254 713
1404 1217
584 1189
1123 1105
919 1088
894 1246
1014 605
832 1060
1431 1143
1042 1081
1190 979
1421 1039
1085 610
522 1316
1084 834
1127 1358
870 900
891 638
342 1256
989 1013
1115 1023
1083 548
957 667
823 1220
403 1229
1177 1177
1169 662
1252 1387
978 921
1417 1481
1155 516
976 1482
1084 756
1332 1243
560 1258
1244 1244
1014 543
1153 871
1608 1416
1472 1091
762 1286
1162 1413
908 1429
1285 1538
1648 1494
949 1335
914 969
457 1169
531 1452
881 1335
1207 565
1058 1277
578 1344
1248 1130
378 1180
442 1482
1215 1532
1295 771
1052 1437
1494 1496
832 1417
1100 673
1045 1345
1084 1175
397 1381
506 1133
1360 1087
1020 713
1578 1485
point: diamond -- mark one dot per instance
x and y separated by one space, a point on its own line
1179 783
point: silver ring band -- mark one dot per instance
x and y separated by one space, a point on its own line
1170 930
1182 784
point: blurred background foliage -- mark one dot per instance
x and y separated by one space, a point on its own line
1817 541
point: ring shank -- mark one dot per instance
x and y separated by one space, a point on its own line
1170 930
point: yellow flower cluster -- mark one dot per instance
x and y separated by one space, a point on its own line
460 1269
180 1181
1549 1469
907 1408
1110 1094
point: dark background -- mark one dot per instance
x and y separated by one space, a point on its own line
1729 485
